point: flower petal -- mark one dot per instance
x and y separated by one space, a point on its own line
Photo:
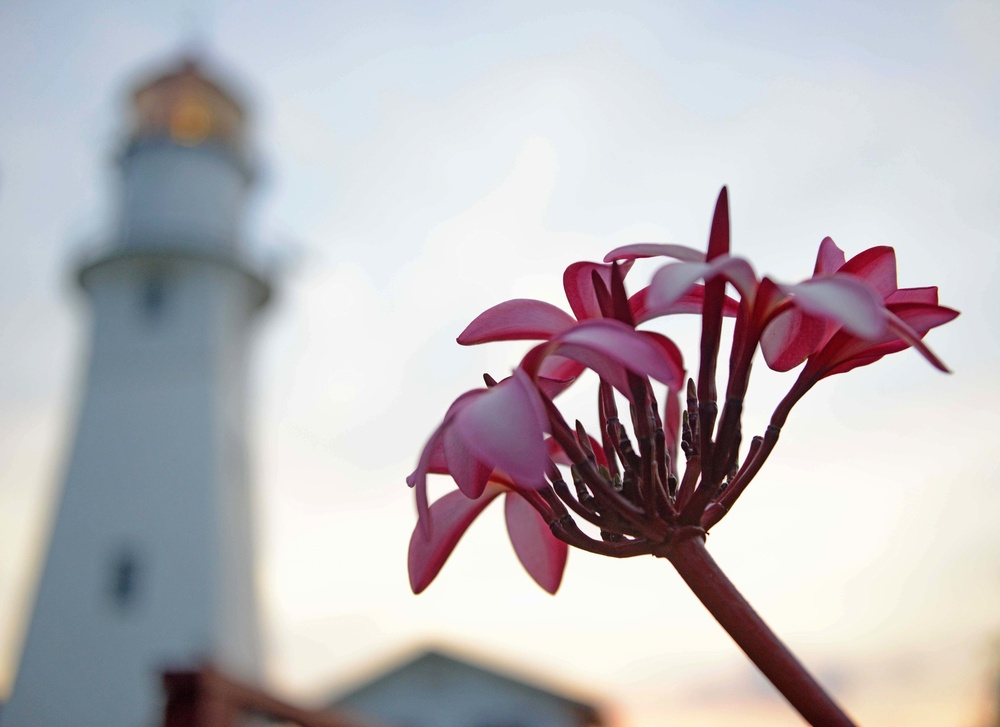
418 479
690 302
876 266
452 515
578 282
903 329
829 259
673 281
610 347
560 370
516 320
432 458
654 249
844 299
790 338
504 428
928 296
909 323
469 473
540 552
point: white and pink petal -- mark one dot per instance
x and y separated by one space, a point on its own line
690 302
611 348
672 282
639 250
504 427
843 299
516 320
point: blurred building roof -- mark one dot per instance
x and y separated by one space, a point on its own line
436 689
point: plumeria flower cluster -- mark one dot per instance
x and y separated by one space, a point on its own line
656 482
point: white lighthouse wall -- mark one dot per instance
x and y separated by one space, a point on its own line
234 309
180 196
156 485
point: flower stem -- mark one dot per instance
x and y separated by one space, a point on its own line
687 553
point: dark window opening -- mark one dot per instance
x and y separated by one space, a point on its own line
154 298
124 584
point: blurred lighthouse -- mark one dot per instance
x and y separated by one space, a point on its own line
151 556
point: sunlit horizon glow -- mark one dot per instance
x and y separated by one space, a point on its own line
421 164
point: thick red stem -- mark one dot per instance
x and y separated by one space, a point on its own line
689 556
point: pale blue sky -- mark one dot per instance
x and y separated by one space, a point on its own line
421 162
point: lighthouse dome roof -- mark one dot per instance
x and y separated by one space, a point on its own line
189 106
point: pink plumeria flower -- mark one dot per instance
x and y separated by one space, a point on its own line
852 295
631 490
493 440
914 312
540 552
498 428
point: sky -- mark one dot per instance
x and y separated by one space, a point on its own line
421 162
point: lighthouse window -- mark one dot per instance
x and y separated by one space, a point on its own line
124 579
154 296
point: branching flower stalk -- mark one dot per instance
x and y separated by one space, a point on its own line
657 482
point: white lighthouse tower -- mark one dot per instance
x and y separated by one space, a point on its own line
150 563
